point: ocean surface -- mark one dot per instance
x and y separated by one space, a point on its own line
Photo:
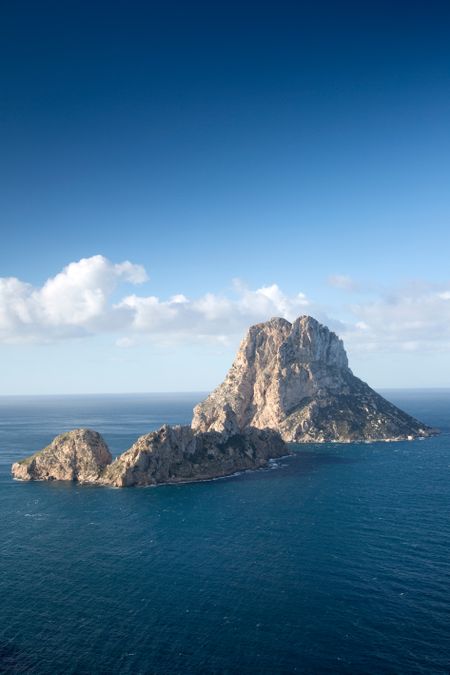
335 561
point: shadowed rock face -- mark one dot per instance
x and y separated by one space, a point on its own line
78 455
177 454
295 378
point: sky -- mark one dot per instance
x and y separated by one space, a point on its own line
172 172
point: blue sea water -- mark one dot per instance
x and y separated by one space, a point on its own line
337 561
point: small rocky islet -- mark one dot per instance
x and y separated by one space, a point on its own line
289 383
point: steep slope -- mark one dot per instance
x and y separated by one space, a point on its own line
295 378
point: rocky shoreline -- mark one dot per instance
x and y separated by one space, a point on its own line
168 455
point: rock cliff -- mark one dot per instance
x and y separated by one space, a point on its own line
169 455
295 378
177 454
78 455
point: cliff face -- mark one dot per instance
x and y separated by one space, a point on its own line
78 455
169 455
177 454
295 378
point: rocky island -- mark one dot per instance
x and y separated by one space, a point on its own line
288 383
79 455
169 455
295 378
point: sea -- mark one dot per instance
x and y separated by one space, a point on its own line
334 560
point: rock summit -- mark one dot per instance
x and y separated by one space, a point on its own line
295 378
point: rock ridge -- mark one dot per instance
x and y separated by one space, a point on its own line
168 455
178 455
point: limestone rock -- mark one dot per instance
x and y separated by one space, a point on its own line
295 378
177 454
169 455
78 455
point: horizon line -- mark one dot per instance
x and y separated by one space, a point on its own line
192 392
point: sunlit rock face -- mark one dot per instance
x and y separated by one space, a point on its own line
295 378
79 455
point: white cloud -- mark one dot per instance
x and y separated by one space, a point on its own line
78 302
84 299
209 316
69 304
80 292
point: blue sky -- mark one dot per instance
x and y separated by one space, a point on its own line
300 148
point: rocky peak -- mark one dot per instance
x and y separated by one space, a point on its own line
295 378
311 342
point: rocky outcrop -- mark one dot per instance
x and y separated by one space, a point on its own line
289 382
169 455
295 378
177 454
78 455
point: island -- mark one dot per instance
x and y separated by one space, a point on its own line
289 383
169 455
295 378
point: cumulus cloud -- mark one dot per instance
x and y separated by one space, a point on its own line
88 297
211 315
72 303
78 302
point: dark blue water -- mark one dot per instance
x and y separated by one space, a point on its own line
336 562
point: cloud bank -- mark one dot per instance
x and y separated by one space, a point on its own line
79 302
90 297
412 318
